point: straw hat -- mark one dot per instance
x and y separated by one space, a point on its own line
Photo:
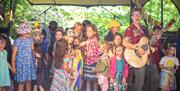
24 28
113 23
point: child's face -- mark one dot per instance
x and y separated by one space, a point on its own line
58 35
76 42
157 34
70 39
117 40
103 47
37 38
115 29
27 35
172 51
2 44
119 51
90 33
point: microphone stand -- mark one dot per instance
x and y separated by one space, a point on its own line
45 12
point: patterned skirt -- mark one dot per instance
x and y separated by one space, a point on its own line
88 74
60 81
167 81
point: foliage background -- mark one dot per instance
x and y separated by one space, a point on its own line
66 16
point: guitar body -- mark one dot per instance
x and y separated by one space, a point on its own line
135 60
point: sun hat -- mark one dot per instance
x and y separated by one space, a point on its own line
24 28
113 23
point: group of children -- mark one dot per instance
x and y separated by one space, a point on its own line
74 58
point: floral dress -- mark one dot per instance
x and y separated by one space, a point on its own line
25 64
91 58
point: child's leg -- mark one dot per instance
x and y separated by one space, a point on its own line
35 88
41 88
28 86
2 88
105 85
88 87
95 85
20 86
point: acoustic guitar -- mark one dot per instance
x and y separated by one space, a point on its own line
132 56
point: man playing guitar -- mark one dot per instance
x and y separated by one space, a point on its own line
132 36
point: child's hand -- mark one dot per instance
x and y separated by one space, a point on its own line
93 70
111 80
82 43
124 81
14 70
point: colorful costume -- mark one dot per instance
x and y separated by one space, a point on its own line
78 67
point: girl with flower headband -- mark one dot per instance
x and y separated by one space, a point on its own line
23 64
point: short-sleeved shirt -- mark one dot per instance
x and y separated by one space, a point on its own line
168 61
134 34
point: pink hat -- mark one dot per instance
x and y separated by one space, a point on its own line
24 28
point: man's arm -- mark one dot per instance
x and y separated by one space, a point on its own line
127 44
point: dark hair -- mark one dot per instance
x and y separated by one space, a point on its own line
59 29
85 23
136 9
118 47
44 33
94 28
38 49
3 38
156 28
61 50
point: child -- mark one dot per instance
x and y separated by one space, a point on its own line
78 30
118 71
167 65
68 61
102 67
77 65
40 63
117 41
23 64
60 78
4 71
58 36
91 55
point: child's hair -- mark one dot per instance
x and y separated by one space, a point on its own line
94 28
38 49
169 46
105 43
61 49
44 33
118 47
3 38
60 29
156 28
77 23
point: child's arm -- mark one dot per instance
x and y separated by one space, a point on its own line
9 66
13 60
